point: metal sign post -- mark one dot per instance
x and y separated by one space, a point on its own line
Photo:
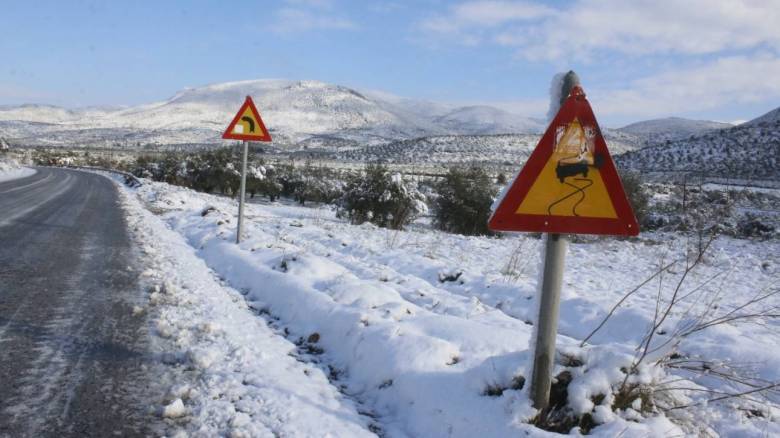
240 227
550 299
248 126
547 322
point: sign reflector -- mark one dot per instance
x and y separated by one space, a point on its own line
569 184
247 124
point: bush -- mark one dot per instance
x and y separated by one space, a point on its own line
263 180
463 202
753 226
219 171
637 197
382 198
317 184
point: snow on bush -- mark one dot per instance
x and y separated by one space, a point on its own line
382 198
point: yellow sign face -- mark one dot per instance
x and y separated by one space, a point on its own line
570 183
247 123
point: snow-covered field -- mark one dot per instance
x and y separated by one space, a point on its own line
11 169
314 327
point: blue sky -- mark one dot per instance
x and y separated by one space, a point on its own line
710 59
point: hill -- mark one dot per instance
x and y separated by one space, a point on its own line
746 152
296 112
494 150
770 117
671 128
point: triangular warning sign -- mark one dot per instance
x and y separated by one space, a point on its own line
569 183
247 124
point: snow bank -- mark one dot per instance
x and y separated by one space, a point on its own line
11 169
232 374
413 355
426 332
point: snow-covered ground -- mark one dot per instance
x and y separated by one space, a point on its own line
314 327
11 169
230 374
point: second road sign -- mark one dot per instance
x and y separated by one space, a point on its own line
247 124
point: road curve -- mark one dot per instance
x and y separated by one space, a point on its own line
72 355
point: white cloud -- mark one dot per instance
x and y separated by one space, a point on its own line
471 22
484 14
637 27
708 54
310 3
308 15
725 81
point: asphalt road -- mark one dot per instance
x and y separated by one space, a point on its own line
73 358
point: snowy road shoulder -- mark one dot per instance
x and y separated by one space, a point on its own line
231 375
10 170
427 331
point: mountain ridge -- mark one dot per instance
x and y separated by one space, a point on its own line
769 116
671 128
750 151
294 111
300 114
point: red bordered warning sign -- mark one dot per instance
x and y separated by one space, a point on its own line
569 184
247 124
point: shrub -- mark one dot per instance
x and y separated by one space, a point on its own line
753 226
317 184
463 202
263 180
144 167
382 198
637 196
210 171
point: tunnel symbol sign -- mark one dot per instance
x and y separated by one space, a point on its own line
247 124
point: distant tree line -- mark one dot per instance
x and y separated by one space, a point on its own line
459 202
218 171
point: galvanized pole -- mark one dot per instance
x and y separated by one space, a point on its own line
550 293
240 226
547 322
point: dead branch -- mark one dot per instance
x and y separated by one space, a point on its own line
625 297
727 396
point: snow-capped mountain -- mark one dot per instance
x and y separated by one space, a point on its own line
51 114
671 128
296 113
